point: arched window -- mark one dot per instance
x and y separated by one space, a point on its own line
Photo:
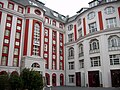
94 44
61 79
53 79
80 50
36 42
35 65
47 78
71 53
114 41
14 73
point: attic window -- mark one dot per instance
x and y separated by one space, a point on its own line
62 17
37 12
55 14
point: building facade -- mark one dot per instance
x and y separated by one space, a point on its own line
82 50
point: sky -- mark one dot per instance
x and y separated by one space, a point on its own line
66 7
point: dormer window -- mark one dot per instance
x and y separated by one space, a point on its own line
110 0
55 14
92 4
37 12
11 5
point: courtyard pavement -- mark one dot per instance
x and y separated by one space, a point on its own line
80 88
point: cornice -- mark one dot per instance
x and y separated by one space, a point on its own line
95 34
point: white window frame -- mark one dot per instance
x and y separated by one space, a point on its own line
115 59
92 27
71 78
81 62
111 22
70 37
95 61
91 15
94 44
109 10
71 65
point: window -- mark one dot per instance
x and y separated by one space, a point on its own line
95 61
109 10
94 44
71 53
113 41
70 27
92 27
36 65
79 22
19 21
55 14
20 9
80 50
1 5
10 5
16 51
71 65
17 35
4 61
7 33
54 49
61 25
6 41
46 39
80 32
61 37
53 65
70 37
54 34
8 24
45 47
46 32
95 3
91 15
36 50
46 20
81 62
37 12
110 0
60 65
15 62
71 78
18 28
60 51
111 22
5 49
9 18
17 43
36 43
54 23
115 59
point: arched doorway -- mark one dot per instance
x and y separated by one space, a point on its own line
61 79
14 73
3 73
53 79
47 78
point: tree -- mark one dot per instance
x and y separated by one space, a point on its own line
32 79
4 84
15 82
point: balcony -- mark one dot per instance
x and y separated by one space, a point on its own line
117 48
94 51
70 57
81 54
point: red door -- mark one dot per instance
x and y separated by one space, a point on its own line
93 78
78 79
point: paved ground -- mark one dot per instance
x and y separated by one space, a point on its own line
80 88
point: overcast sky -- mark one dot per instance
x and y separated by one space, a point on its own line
66 7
